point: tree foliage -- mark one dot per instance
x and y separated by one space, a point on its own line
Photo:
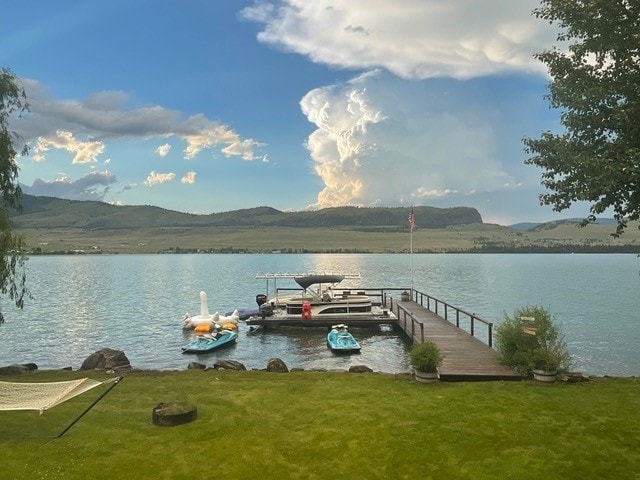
13 101
596 86
526 350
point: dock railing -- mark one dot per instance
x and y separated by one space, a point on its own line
460 318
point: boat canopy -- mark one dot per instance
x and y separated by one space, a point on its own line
308 280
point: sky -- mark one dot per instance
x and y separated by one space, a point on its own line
207 106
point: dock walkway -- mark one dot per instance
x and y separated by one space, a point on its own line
465 357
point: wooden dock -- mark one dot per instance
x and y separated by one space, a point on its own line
465 356
465 339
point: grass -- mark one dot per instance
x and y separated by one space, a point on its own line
317 425
485 237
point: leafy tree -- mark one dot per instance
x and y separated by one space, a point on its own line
13 101
596 86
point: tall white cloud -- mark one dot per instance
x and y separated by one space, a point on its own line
396 134
381 140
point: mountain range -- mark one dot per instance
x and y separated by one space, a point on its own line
50 212
53 226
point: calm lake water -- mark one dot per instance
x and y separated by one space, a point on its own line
136 303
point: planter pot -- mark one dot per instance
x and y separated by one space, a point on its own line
405 296
545 375
426 377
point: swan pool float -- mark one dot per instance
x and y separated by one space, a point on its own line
205 321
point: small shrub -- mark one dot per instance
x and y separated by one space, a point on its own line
426 356
544 350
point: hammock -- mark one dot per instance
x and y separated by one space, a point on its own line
42 396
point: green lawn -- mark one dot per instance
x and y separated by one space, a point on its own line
329 425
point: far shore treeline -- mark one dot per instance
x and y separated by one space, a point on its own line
58 226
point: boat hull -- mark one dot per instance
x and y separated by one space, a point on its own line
341 341
363 320
209 343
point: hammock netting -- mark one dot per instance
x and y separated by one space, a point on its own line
42 396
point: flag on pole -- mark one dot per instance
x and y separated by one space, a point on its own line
412 220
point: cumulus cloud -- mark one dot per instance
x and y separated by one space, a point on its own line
163 150
243 149
131 186
92 186
105 116
423 193
201 133
396 134
188 178
414 39
155 178
84 152
381 140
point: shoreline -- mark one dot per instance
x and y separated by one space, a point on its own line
18 370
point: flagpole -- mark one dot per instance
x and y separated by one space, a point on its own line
411 247
412 224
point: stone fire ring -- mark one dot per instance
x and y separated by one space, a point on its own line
172 414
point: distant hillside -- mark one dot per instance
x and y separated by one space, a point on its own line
532 226
49 212
524 225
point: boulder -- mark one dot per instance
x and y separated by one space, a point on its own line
277 365
196 366
228 365
18 369
106 359
573 377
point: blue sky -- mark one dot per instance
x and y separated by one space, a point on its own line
208 105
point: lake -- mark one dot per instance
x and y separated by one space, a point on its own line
136 303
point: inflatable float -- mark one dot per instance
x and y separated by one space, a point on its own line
205 321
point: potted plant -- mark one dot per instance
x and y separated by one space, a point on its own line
531 343
426 357
548 360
